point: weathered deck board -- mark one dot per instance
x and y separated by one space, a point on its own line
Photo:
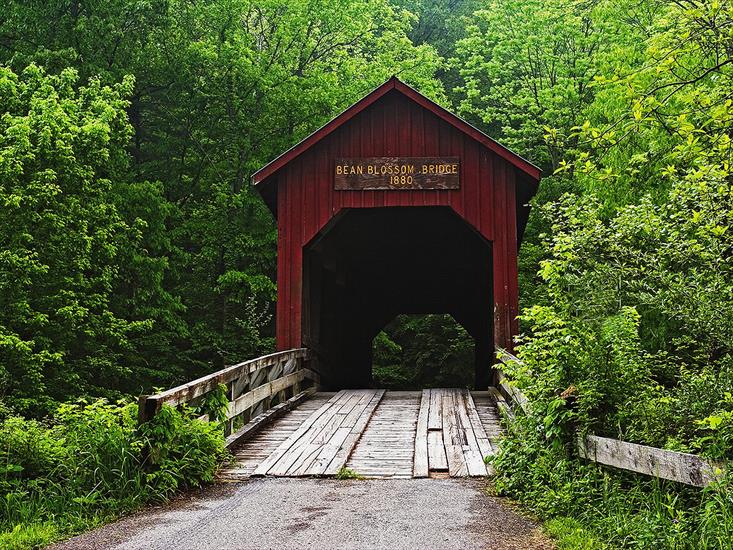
255 450
387 445
489 415
435 420
456 439
325 411
482 439
344 452
436 452
324 440
474 432
305 451
420 465
453 436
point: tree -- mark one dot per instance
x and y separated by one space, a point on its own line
220 87
63 327
666 116
526 68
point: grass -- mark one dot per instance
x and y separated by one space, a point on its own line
570 534
29 536
87 465
348 473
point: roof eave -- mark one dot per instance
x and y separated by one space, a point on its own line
395 84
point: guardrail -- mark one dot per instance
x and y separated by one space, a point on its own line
257 391
684 468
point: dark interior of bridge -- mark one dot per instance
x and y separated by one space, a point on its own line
370 264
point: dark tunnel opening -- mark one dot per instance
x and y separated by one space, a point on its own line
370 264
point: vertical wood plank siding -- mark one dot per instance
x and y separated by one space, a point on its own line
396 126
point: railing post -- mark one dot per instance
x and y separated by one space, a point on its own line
146 408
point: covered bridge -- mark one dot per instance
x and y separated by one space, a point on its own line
395 206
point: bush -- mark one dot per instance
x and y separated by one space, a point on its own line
621 509
91 462
634 342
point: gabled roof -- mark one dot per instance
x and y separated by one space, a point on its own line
395 84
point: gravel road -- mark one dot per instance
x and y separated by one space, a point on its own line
283 514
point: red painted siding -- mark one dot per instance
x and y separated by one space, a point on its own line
395 125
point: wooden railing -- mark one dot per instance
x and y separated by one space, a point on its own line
681 467
257 391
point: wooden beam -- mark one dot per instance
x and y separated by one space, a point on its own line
437 458
191 390
150 405
681 467
268 389
511 393
420 461
435 419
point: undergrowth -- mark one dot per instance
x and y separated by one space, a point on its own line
634 341
91 462
588 506
348 473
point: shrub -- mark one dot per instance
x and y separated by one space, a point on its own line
635 342
91 462
183 451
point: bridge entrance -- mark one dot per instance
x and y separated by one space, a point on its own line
395 206
368 265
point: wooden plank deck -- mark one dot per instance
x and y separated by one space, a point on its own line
436 432
386 448
489 415
249 455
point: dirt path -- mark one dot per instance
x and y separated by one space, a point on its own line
283 514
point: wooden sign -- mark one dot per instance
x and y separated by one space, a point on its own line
396 173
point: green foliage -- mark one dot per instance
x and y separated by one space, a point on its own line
215 404
439 23
631 332
666 115
571 535
136 252
527 69
634 343
23 537
181 451
420 351
64 327
610 509
348 473
640 319
91 462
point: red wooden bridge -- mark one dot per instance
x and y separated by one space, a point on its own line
395 206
